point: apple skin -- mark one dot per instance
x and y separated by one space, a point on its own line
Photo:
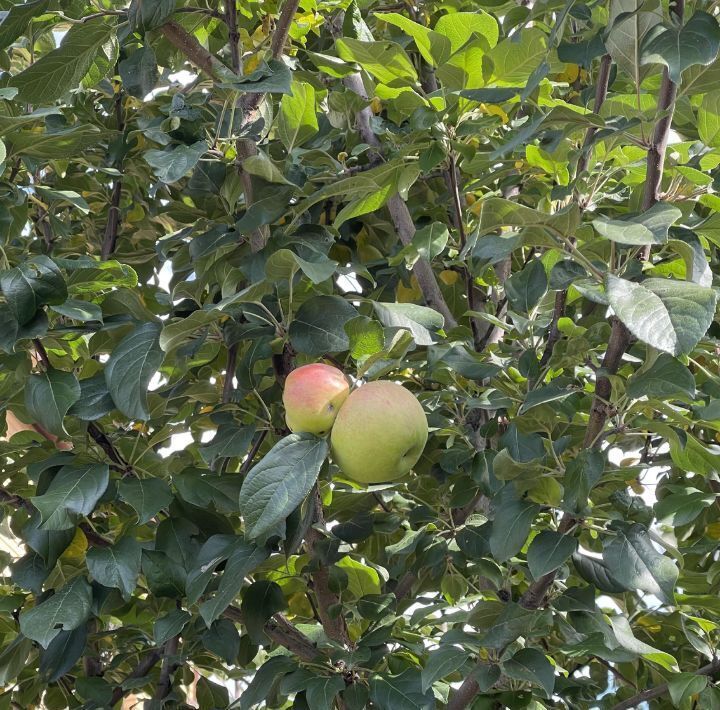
313 396
379 433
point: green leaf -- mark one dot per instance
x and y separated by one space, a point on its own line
684 505
400 692
132 365
66 143
665 378
441 663
362 580
229 440
421 321
75 490
14 657
435 48
297 120
67 609
427 243
79 310
670 315
139 72
170 625
35 283
144 15
511 526
682 686
651 227
49 396
634 562
280 482
679 48
116 566
319 325
95 400
630 21
179 332
172 164
624 635
273 77
366 337
531 665
165 576
515 58
322 690
709 119
386 61
459 28
525 288
261 600
243 559
16 21
62 69
548 551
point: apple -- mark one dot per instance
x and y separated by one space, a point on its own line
313 396
379 433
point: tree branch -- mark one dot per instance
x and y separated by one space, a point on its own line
169 664
452 174
282 632
660 690
334 626
658 144
102 440
179 37
143 668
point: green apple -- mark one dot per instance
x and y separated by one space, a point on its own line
312 397
379 433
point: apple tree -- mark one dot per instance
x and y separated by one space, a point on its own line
508 208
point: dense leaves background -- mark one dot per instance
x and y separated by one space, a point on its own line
510 208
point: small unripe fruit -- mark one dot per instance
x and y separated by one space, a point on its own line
379 433
312 396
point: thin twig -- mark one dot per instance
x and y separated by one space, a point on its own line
247 464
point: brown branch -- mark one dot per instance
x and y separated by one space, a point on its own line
405 585
460 226
102 440
247 464
399 213
113 221
334 626
282 632
233 34
661 134
554 331
601 90
169 664
180 38
143 668
660 690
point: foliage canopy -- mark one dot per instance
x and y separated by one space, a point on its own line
509 208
